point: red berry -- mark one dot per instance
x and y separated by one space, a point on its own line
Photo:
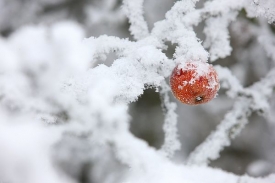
194 82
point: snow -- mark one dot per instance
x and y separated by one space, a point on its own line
52 89
259 167
171 140
263 8
134 11
200 69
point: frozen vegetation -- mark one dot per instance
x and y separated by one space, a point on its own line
64 113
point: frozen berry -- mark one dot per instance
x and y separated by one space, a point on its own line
194 82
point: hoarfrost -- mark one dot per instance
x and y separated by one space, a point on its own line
51 89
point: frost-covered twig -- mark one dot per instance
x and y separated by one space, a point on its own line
149 166
108 13
267 39
173 29
263 8
229 81
252 99
100 47
232 124
218 15
171 141
217 36
134 11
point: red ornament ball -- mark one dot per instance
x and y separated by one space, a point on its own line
194 82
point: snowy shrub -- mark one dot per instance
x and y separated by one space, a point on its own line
65 118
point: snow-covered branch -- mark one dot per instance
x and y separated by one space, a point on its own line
134 11
171 141
51 90
252 99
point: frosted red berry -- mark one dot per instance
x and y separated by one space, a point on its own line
194 82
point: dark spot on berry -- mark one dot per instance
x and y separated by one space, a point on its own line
199 99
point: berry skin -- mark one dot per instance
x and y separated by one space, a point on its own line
194 82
